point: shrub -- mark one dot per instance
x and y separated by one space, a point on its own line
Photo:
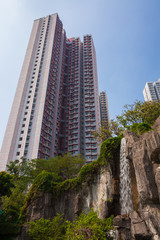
89 227
84 227
140 128
46 229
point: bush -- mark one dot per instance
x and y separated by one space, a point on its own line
46 229
6 183
8 231
84 227
140 128
89 227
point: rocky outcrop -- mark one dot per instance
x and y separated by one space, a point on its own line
101 192
71 202
144 155
96 187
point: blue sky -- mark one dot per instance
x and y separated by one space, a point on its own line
126 35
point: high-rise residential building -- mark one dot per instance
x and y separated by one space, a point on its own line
151 91
56 105
104 112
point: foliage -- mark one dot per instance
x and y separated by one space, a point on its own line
103 132
47 182
13 202
139 112
8 231
6 183
50 179
106 131
46 229
109 147
84 227
67 166
89 227
115 128
140 128
22 170
11 206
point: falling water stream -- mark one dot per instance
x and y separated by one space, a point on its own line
125 182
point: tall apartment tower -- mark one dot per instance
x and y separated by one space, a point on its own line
151 91
56 105
104 112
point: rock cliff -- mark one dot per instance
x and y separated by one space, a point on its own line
72 202
99 189
144 155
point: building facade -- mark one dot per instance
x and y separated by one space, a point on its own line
151 91
56 105
104 112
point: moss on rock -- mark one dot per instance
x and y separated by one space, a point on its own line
46 182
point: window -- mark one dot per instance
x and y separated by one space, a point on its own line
22 131
23 125
18 153
20 139
19 146
28 137
25 153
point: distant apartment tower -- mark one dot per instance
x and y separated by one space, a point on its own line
151 91
104 112
56 105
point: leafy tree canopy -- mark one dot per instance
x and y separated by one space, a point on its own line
65 166
139 112
6 183
108 130
23 173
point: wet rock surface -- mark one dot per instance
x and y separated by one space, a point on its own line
144 154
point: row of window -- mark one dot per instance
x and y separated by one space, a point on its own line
35 94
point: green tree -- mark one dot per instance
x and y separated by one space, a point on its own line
89 227
103 132
11 205
108 130
22 170
139 112
69 165
140 128
66 166
6 183
115 128
47 229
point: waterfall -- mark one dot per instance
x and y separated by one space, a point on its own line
125 182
